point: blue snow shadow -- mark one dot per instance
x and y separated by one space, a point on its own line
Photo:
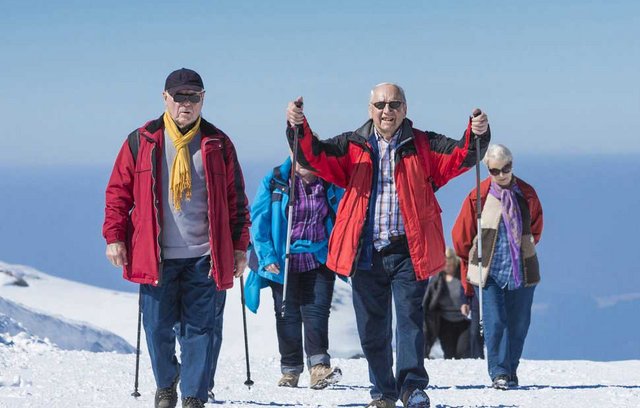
576 387
535 387
247 403
360 404
476 406
342 387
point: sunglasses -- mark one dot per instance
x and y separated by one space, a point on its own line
505 170
193 98
393 104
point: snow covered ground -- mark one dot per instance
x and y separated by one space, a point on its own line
50 329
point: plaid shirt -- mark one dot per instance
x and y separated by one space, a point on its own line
388 220
309 212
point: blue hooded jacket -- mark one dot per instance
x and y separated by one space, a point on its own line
269 231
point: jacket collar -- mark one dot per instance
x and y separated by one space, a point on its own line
283 172
154 129
362 134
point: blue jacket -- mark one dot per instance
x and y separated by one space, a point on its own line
269 231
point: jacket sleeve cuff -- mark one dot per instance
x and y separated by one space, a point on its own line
268 261
114 237
241 245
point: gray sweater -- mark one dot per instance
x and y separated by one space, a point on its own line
185 233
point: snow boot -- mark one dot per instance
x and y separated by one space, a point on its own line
513 381
289 380
192 402
416 398
501 382
322 375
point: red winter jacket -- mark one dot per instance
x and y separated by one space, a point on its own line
133 212
424 161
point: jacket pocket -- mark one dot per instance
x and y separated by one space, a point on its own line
435 246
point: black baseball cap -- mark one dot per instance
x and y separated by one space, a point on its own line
183 79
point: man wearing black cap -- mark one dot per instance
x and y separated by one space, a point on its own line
176 220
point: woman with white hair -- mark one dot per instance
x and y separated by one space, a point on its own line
511 227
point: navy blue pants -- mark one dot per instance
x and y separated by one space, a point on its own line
391 277
187 296
308 303
506 315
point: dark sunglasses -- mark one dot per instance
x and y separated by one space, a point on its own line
505 170
193 98
393 104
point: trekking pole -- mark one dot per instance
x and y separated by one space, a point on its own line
135 392
292 199
248 383
477 112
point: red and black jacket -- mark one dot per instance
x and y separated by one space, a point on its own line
425 161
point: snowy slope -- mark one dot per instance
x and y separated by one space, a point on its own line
36 373
66 335
103 308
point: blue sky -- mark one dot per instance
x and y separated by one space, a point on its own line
554 76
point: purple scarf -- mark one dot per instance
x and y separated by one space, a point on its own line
513 221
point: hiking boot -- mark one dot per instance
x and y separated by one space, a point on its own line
513 381
192 402
167 397
382 403
416 398
501 382
322 375
289 380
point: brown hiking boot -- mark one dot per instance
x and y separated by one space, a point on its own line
322 375
289 380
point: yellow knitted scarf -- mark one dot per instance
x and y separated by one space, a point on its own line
180 175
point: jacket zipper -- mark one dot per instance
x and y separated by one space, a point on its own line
154 168
356 259
209 209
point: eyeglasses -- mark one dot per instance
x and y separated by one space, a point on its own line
193 98
505 170
392 104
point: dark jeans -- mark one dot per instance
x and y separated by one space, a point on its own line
391 276
507 314
187 296
308 303
454 338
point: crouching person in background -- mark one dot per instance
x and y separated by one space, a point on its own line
512 226
443 318
310 284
